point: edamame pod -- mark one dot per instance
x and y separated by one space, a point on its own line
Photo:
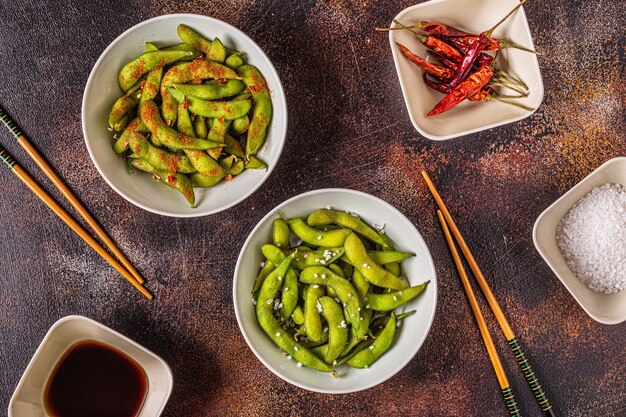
149 113
152 84
232 146
391 301
379 346
184 47
262 113
193 38
346 220
234 61
265 271
284 341
199 126
393 267
177 181
121 144
272 284
237 168
158 158
213 90
315 237
198 69
217 133
289 294
374 273
216 52
298 316
345 291
281 233
255 163
227 110
312 318
119 111
337 328
132 71
241 124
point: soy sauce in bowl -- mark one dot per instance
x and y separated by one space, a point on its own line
96 380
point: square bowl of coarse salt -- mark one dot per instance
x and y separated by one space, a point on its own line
582 237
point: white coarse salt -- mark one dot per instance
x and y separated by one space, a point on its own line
295 348
371 347
592 238
299 365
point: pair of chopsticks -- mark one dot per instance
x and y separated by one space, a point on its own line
123 266
448 225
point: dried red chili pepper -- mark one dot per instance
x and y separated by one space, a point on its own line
472 85
438 71
468 60
432 28
441 87
445 61
440 47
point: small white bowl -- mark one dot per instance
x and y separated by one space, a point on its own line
102 90
603 308
473 16
413 330
28 398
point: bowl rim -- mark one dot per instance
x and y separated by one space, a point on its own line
548 260
405 89
91 322
433 284
277 89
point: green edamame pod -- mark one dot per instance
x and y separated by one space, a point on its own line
315 237
361 285
345 291
365 318
379 346
227 110
227 163
132 71
265 271
312 318
183 122
213 90
391 301
346 220
149 113
177 181
158 158
255 163
281 233
241 124
234 61
150 47
374 273
318 257
348 270
232 146
383 257
393 267
289 294
272 284
152 84
358 347
216 52
120 110
337 328
237 168
199 126
284 341
337 270
298 316
207 178
262 113
121 144
193 38
184 47
196 70
381 321
217 133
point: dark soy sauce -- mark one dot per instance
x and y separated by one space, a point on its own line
96 380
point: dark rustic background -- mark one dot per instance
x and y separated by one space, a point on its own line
348 127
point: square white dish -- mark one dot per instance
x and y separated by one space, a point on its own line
604 308
28 398
468 117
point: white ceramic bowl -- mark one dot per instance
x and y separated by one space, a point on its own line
413 330
604 308
102 90
28 398
473 16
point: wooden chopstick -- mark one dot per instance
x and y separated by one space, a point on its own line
514 344
67 193
58 210
505 387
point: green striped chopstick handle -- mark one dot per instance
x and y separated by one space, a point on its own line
511 404
531 378
7 159
10 124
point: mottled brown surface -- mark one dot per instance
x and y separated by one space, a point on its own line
349 125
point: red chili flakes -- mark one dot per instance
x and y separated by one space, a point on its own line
186 104
171 179
228 177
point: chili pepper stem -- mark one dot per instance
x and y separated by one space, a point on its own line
508 44
511 103
490 31
520 94
512 78
409 28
